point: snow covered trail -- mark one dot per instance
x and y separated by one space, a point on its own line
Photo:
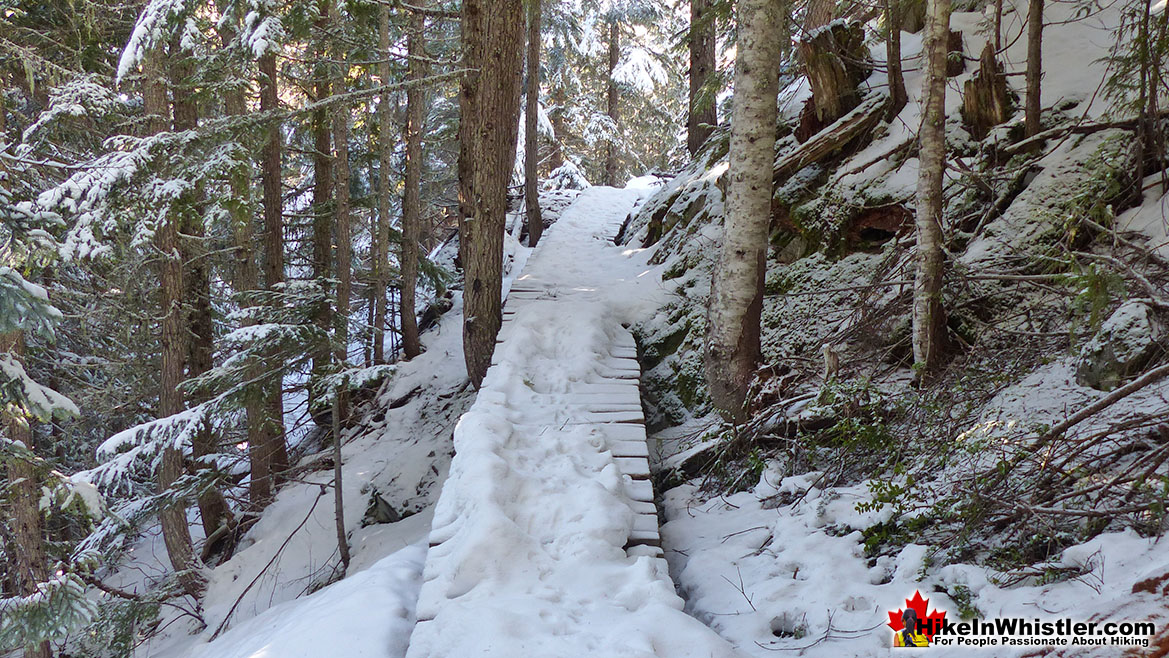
545 541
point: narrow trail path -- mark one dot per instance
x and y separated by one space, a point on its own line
545 538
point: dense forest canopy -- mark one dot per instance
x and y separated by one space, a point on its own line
224 226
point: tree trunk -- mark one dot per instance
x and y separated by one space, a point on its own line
273 450
175 532
556 115
702 115
245 278
322 194
1031 121
340 415
736 296
341 201
380 228
28 562
412 197
897 96
493 42
818 14
929 320
531 140
614 109
998 25
213 508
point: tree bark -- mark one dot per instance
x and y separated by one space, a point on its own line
531 138
702 115
556 115
897 95
379 229
613 108
929 320
1031 120
493 41
246 278
29 561
412 197
213 508
322 191
818 14
176 534
273 451
341 197
736 296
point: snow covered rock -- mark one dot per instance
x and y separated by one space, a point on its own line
1078 177
1126 342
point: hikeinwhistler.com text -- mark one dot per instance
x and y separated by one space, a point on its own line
1017 632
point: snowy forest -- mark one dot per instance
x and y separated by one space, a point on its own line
560 328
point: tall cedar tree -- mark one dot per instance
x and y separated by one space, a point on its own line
531 143
213 509
380 230
702 115
929 319
175 533
412 195
493 43
736 296
246 278
272 457
322 188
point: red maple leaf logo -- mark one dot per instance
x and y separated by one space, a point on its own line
931 622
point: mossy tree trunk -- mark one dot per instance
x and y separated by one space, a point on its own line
213 508
176 534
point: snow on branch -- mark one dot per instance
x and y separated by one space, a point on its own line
149 31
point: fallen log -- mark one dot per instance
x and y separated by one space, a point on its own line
832 138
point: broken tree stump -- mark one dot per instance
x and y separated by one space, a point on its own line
836 60
986 100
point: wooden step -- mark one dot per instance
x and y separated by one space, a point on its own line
642 490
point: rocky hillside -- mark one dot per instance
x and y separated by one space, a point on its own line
1049 425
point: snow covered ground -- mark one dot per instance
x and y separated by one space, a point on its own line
528 553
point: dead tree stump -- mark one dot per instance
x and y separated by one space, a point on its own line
986 100
836 60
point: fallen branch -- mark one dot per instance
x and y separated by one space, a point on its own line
1151 377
